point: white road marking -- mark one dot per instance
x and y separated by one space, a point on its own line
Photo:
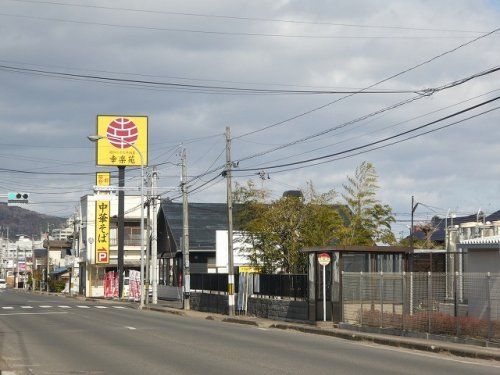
45 306
83 307
7 307
64 307
26 307
119 307
262 329
131 328
101 307
36 313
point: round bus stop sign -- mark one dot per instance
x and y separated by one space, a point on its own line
324 259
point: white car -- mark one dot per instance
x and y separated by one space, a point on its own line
3 284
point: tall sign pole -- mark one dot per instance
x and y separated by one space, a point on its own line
230 260
124 142
324 260
121 228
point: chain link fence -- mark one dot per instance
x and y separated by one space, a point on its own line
465 305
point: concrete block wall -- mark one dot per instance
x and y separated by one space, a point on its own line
278 309
206 302
275 309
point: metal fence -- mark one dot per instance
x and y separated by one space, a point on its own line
462 305
261 285
210 282
281 285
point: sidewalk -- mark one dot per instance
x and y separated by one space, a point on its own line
173 307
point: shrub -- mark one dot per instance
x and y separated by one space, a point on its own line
440 323
57 285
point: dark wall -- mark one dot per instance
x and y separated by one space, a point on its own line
275 309
278 309
213 303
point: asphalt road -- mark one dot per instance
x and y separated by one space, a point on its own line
57 335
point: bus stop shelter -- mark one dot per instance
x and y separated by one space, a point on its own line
347 259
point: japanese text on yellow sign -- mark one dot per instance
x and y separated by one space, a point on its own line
102 209
122 137
103 178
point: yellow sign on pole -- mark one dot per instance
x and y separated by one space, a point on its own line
121 136
248 269
103 178
102 209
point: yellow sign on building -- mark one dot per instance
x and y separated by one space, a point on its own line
121 136
103 178
102 209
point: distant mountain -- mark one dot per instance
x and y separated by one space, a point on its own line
23 221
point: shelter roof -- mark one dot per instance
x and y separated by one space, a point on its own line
359 249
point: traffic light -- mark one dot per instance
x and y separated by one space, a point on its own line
17 197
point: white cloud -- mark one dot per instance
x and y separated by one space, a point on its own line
455 167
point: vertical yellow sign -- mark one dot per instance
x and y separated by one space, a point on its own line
102 209
103 178
124 140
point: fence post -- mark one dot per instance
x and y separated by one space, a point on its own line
455 303
403 300
488 309
381 299
429 301
361 297
411 293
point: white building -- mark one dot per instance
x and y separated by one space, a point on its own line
92 275
61 233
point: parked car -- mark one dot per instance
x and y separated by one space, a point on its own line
3 284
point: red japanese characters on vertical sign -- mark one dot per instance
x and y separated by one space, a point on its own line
102 209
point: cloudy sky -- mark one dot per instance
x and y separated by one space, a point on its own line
271 70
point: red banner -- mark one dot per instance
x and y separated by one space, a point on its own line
111 285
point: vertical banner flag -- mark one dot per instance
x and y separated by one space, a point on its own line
103 178
102 209
134 282
122 137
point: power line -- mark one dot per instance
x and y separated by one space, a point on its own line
378 130
229 33
181 78
312 110
386 138
364 117
390 144
241 18
192 87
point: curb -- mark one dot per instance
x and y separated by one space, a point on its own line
390 341
240 321
166 311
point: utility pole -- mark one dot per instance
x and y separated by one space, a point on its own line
148 236
48 256
413 208
185 235
230 260
16 279
1 255
154 237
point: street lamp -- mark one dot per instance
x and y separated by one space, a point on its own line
96 138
